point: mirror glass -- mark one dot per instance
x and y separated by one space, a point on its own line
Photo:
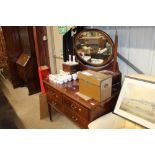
94 47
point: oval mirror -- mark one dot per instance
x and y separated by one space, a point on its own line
94 47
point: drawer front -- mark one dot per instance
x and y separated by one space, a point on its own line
54 98
53 95
78 109
58 106
76 119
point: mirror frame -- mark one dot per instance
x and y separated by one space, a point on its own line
106 36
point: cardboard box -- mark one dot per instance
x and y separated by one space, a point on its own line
43 106
95 85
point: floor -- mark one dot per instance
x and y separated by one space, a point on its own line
8 117
27 109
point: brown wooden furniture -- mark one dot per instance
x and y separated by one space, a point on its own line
64 98
22 62
70 68
41 45
3 57
110 56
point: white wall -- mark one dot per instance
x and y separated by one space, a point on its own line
56 47
137 44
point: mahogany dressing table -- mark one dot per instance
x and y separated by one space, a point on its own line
95 50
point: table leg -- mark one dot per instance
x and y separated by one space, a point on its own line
50 112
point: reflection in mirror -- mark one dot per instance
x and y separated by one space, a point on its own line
93 47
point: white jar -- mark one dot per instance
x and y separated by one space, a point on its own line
69 77
74 76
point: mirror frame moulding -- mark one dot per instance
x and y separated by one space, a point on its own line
88 63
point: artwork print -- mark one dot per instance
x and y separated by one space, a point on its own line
137 102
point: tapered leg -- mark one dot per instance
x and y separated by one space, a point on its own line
49 110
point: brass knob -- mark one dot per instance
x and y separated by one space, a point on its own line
54 103
75 119
73 106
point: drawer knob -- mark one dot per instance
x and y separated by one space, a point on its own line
80 109
74 118
73 106
54 103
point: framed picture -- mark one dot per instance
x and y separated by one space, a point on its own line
136 101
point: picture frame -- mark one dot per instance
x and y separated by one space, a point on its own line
136 101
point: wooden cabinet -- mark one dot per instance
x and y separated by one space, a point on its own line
63 98
80 111
13 49
21 53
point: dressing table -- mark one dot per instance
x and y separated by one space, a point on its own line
94 50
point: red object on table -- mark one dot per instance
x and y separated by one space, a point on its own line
44 72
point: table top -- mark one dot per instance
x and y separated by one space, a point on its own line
71 88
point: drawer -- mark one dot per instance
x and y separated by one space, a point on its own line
53 95
78 109
58 106
76 119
